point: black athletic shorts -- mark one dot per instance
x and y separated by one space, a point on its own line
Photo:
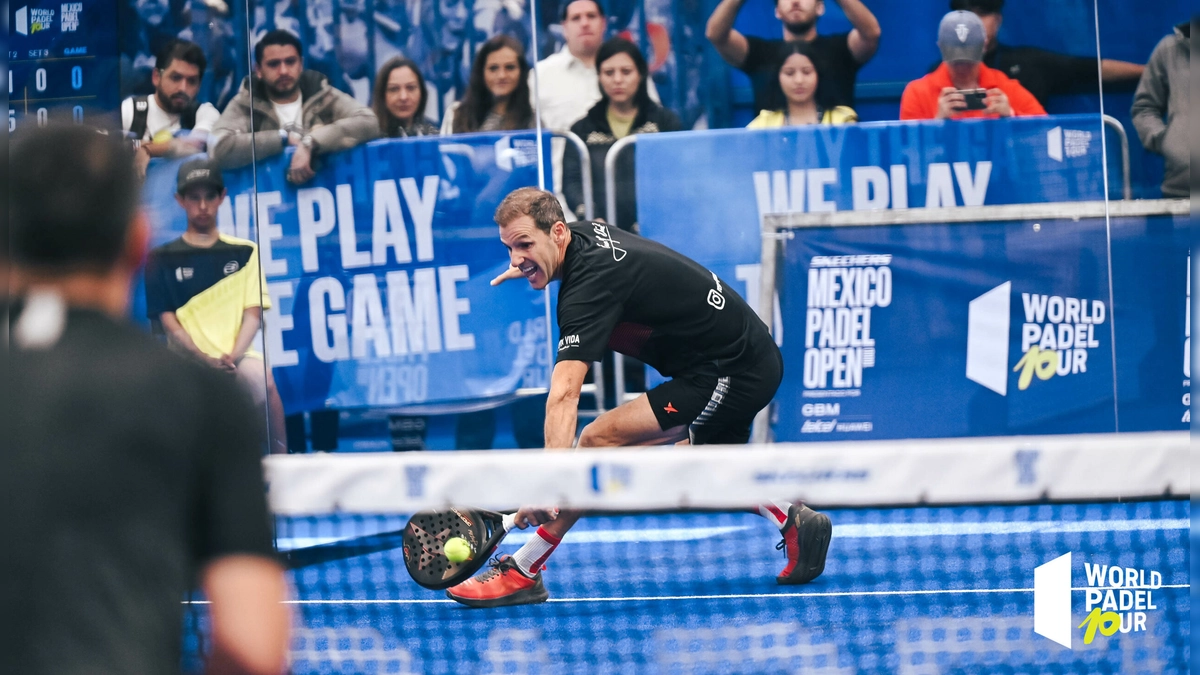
719 409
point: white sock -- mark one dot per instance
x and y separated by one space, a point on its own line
776 512
532 556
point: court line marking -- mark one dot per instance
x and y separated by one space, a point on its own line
731 596
847 531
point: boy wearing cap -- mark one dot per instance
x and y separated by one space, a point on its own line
939 95
207 292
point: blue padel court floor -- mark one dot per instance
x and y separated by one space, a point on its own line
912 591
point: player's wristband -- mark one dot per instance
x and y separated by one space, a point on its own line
283 137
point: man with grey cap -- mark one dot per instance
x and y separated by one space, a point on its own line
962 86
206 292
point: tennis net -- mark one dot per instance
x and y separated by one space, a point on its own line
931 568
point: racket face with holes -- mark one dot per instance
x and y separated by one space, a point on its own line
426 535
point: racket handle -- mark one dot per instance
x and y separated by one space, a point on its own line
510 520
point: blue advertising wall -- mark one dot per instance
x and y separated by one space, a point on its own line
379 272
984 329
942 354
711 212
378 269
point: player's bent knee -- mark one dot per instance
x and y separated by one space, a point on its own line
589 438
597 435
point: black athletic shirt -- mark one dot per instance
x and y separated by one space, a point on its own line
837 70
635 296
126 468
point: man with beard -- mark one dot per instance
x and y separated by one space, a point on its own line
282 104
840 55
155 121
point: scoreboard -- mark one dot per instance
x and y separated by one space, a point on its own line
63 62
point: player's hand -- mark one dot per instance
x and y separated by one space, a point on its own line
228 362
141 160
300 170
997 103
511 273
532 515
950 103
157 148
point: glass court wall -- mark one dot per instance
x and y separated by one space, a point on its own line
925 278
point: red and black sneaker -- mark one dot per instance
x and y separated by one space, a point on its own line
505 584
805 541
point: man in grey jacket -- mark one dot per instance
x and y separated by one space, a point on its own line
282 105
1162 95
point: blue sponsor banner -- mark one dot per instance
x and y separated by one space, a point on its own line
960 330
987 329
1152 316
710 210
378 269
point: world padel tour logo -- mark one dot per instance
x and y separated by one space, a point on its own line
30 20
1117 599
1056 337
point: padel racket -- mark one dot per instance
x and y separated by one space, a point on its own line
426 534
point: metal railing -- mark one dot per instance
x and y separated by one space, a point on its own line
610 210
777 226
1126 184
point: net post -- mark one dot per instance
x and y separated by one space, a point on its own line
766 311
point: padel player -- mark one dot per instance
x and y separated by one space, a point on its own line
128 472
629 294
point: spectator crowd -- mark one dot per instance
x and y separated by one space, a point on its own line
600 89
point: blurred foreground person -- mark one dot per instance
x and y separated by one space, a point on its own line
131 473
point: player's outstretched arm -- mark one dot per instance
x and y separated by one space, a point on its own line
510 273
562 406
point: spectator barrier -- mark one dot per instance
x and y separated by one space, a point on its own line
474 172
364 316
1068 317
628 142
378 269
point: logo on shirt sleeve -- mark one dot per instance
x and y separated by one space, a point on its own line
567 342
605 240
714 295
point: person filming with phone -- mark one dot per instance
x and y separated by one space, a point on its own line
962 87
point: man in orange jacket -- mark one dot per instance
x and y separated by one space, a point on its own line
943 94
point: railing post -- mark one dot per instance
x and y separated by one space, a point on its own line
1126 185
610 211
589 213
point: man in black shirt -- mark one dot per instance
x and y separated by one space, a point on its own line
638 297
840 55
130 472
1044 73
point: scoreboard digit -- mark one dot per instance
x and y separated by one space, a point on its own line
63 62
